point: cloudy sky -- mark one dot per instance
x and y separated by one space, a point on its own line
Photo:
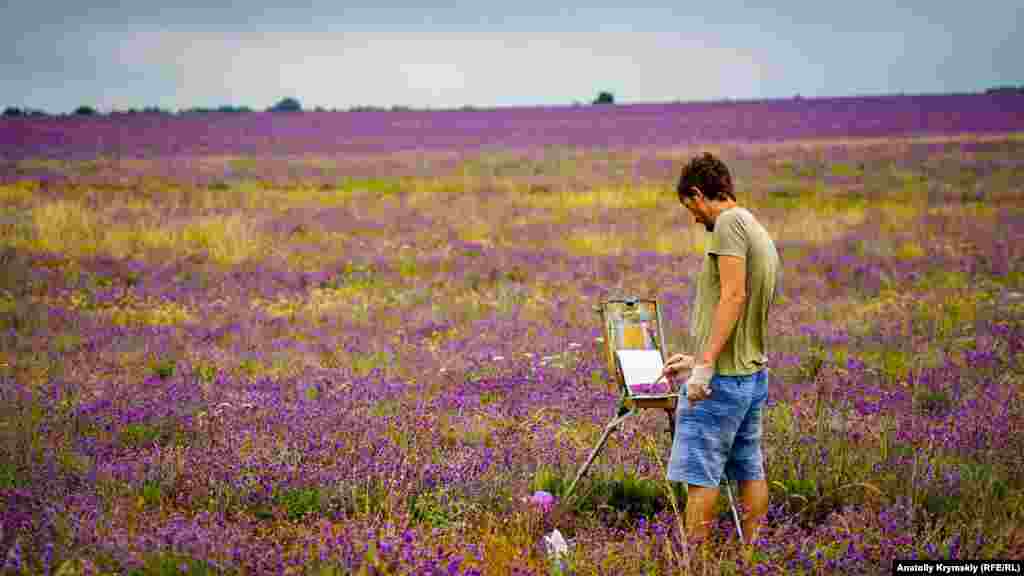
56 55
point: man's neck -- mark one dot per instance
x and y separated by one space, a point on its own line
719 206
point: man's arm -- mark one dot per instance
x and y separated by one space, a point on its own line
732 272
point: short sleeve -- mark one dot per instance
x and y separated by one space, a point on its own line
730 235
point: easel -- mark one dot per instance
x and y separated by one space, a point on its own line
630 323
635 323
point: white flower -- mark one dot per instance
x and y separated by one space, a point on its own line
497 358
573 345
555 544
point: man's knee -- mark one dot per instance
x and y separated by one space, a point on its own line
700 500
700 507
754 494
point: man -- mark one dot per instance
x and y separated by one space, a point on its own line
718 419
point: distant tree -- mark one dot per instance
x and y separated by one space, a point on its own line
605 98
24 112
234 109
154 110
286 105
85 111
1005 90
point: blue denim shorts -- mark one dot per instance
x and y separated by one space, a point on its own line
721 433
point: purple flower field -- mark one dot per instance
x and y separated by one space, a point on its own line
362 343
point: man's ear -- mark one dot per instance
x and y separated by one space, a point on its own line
697 193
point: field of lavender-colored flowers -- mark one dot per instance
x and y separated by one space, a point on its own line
356 343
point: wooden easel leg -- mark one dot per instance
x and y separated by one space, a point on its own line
600 444
671 422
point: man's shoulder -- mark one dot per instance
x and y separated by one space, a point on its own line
737 215
740 213
743 217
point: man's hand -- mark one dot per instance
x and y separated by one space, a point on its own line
698 386
676 364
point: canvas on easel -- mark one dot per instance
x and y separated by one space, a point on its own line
634 346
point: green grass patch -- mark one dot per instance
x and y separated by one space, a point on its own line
376 187
364 363
623 493
894 363
353 275
164 368
244 165
438 507
482 373
171 564
152 493
65 342
792 169
300 502
206 372
249 367
620 495
490 398
389 407
9 475
407 266
843 169
139 434
366 497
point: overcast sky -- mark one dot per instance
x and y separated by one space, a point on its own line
57 55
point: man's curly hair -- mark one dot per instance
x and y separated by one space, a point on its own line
710 175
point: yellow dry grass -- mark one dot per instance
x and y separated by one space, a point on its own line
228 239
67 227
29 164
686 240
319 302
808 226
562 201
155 314
128 311
71 228
20 192
477 231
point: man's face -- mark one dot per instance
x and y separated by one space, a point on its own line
700 210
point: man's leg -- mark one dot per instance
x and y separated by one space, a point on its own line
700 511
754 495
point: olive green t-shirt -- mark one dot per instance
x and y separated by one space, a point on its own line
737 233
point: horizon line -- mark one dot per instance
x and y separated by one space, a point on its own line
245 109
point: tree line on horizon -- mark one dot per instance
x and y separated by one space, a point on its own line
293 105
283 105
